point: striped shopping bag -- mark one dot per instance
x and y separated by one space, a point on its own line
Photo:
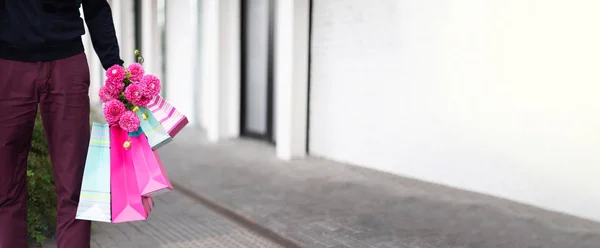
168 116
94 202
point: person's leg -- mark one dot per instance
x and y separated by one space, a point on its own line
65 109
18 105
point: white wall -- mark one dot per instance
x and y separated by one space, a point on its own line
219 68
151 40
291 77
496 96
181 44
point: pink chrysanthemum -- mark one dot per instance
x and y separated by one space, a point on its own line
143 101
136 72
129 121
116 73
150 85
115 87
106 94
113 110
134 95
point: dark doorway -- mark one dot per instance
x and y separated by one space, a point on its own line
257 104
137 25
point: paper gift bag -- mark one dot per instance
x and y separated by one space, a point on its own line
150 174
155 132
171 119
162 169
94 201
127 204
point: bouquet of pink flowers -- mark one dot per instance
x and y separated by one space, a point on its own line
123 170
124 91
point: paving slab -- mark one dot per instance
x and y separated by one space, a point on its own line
176 222
319 203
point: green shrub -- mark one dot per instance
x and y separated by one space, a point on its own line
41 204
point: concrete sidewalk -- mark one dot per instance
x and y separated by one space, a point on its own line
176 222
317 203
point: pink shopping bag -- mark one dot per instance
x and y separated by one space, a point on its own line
150 173
126 199
162 167
168 116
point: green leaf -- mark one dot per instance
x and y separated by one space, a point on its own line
41 205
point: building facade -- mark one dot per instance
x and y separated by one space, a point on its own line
497 97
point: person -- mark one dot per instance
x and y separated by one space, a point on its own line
42 63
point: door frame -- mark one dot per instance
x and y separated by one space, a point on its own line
137 26
269 134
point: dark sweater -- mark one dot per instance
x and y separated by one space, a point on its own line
46 30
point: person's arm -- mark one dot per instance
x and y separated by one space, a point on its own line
98 17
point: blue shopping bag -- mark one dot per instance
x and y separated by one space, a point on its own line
94 201
154 131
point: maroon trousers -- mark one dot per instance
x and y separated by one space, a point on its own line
60 88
